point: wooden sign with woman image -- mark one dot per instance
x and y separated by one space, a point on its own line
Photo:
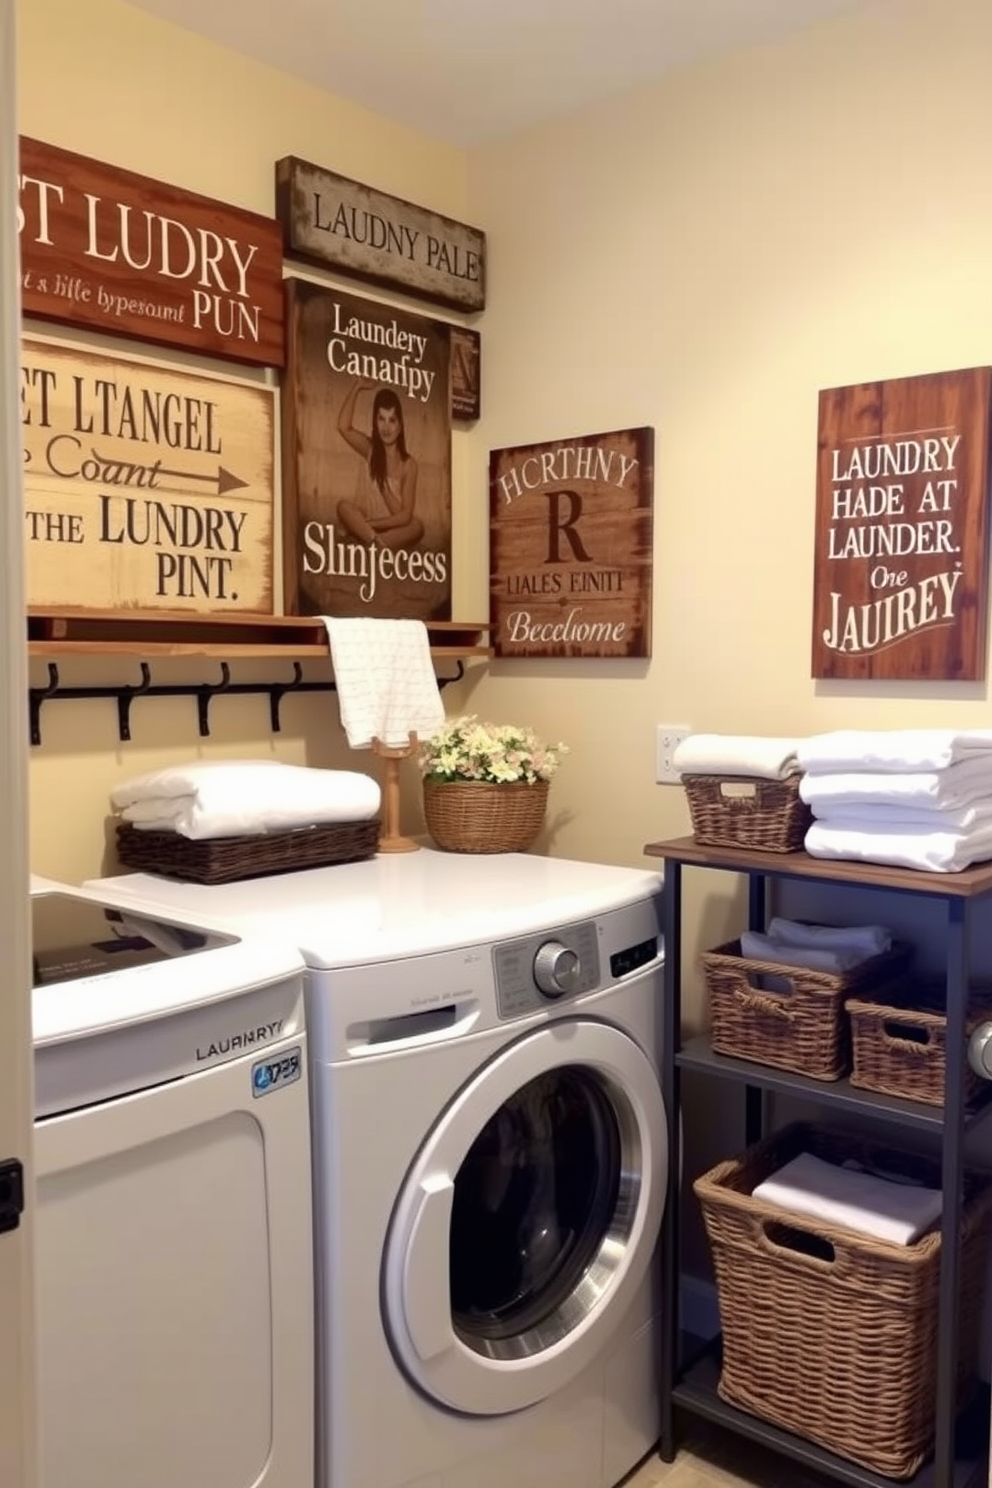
366 459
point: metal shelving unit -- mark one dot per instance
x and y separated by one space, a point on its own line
960 1458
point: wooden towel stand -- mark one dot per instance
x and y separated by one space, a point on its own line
390 839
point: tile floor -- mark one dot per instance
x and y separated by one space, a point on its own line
711 1458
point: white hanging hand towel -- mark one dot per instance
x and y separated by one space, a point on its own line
385 679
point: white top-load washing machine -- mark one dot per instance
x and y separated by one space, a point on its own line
490 1159
174 1228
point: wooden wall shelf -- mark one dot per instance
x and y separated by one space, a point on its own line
59 633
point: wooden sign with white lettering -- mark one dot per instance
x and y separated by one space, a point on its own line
570 526
366 459
145 488
902 529
340 224
114 251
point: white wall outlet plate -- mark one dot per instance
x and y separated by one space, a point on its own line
669 737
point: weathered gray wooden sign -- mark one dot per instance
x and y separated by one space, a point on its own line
340 224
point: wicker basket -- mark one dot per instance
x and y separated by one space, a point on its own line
789 1016
472 817
829 1333
734 811
899 1041
225 859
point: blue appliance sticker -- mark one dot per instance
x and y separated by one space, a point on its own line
272 1074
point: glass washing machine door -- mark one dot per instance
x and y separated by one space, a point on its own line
529 1219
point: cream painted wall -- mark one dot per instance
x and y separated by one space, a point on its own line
107 80
703 257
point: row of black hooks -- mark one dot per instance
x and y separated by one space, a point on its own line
204 692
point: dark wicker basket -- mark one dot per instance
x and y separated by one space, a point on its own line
226 859
829 1333
475 817
737 811
899 1041
789 1016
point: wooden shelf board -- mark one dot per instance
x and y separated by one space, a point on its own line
71 632
53 650
970 883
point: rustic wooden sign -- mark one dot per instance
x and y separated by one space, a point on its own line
340 224
145 488
366 443
466 374
114 251
570 546
902 529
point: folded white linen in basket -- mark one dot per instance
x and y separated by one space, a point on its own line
902 847
892 749
890 1210
737 754
758 947
385 679
234 798
869 940
962 784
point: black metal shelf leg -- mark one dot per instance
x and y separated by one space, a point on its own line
671 1032
754 1097
952 1172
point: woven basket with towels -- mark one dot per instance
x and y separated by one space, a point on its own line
743 791
217 821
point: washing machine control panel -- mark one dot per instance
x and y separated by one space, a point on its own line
549 967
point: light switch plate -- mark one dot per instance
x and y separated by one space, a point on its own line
669 737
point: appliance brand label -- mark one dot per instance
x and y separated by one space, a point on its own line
264 1033
272 1074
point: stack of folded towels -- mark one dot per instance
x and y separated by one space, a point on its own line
913 798
235 798
749 756
887 1206
831 948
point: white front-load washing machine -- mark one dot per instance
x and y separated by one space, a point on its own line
490 1160
173 1216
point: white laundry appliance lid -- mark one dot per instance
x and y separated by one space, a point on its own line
99 967
393 905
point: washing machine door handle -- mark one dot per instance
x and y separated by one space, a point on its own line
426 1280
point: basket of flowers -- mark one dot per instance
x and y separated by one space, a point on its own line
486 785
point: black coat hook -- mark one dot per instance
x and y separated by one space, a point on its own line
125 696
36 696
278 691
206 693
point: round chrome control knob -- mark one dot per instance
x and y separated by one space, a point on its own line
980 1051
556 969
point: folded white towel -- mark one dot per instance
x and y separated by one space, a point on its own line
736 754
385 679
894 1211
902 847
920 818
870 940
183 780
963 784
244 798
892 749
